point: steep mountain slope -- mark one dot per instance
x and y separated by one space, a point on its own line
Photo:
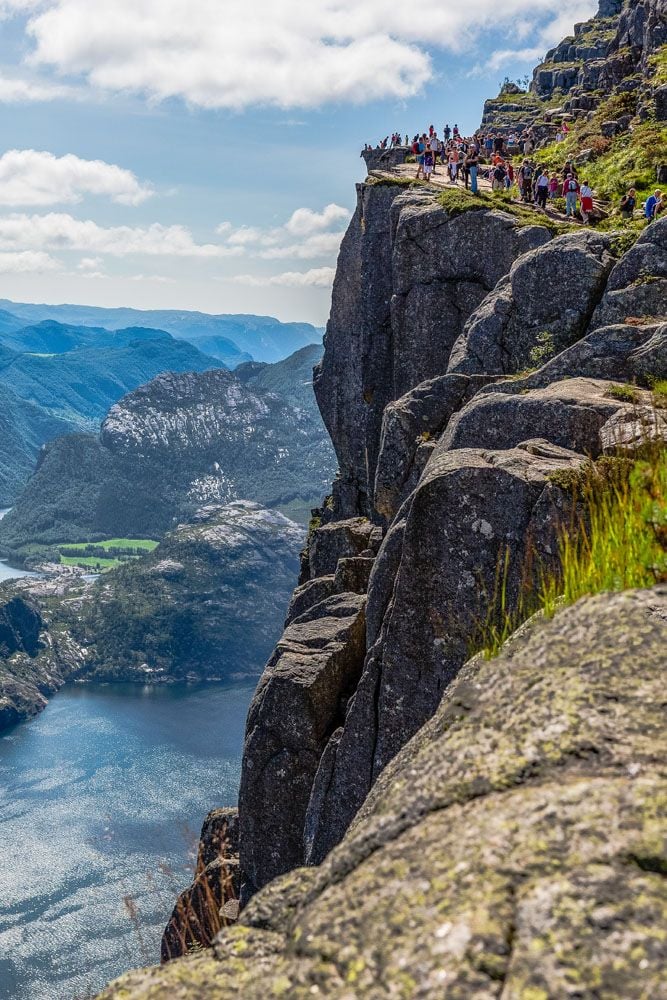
24 428
169 446
207 604
81 385
228 337
415 822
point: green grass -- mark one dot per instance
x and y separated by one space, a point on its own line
90 562
616 540
624 393
622 544
458 201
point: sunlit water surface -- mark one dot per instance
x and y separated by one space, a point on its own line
101 800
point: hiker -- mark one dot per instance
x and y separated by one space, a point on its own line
488 146
435 149
429 160
526 181
421 149
652 206
453 166
586 195
628 204
554 186
472 166
499 175
447 132
542 190
570 191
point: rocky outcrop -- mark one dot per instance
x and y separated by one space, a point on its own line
34 661
514 846
300 702
637 286
409 276
520 322
207 604
211 902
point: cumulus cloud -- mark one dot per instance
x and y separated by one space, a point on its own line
549 34
28 177
27 261
303 237
317 277
276 52
60 231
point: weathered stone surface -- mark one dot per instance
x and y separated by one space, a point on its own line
408 278
630 429
352 575
637 285
335 541
211 902
569 413
544 304
308 595
470 509
515 846
298 704
620 353
408 422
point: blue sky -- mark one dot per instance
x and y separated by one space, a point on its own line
202 154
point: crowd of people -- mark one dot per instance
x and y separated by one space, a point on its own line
508 164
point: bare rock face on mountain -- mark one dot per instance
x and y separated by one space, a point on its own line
637 285
541 307
409 276
514 845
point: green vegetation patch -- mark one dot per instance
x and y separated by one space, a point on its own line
458 201
616 539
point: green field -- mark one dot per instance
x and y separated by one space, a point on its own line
147 544
90 562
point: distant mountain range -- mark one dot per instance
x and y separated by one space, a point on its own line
178 442
231 338
64 366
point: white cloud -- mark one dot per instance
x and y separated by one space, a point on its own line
27 261
304 221
317 277
28 177
276 52
555 29
59 231
14 90
303 237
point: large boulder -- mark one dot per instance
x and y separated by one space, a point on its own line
626 352
514 847
414 419
637 286
299 703
569 413
472 513
541 307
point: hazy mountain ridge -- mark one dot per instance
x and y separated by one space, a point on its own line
233 338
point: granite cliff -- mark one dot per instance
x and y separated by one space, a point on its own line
414 820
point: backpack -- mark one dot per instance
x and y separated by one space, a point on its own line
527 173
572 186
499 173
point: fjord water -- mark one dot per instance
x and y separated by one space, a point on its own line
101 800
8 572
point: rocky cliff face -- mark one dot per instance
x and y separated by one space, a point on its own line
459 469
415 822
